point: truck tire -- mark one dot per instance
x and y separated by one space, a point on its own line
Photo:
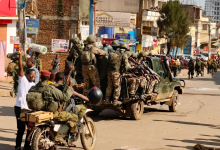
174 101
137 110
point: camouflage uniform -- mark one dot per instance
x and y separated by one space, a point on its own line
38 64
198 67
89 71
15 79
202 67
191 68
213 67
209 62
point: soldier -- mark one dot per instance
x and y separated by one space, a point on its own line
38 62
15 79
202 66
115 45
89 68
198 66
174 67
56 96
108 49
191 68
213 68
75 53
209 62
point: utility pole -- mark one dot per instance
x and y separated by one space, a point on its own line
91 8
210 40
139 20
22 23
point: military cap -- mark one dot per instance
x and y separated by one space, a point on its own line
123 45
91 39
45 73
75 40
115 43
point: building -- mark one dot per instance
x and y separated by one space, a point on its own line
212 10
150 15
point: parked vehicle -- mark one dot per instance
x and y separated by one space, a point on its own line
187 57
200 56
167 91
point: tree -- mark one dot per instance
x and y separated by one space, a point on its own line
174 24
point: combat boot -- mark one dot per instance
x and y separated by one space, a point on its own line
60 138
116 103
192 77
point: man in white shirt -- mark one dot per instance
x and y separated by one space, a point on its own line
25 83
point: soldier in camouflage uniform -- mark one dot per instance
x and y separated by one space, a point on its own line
202 66
209 62
58 97
115 45
15 79
213 68
198 66
191 68
89 68
38 62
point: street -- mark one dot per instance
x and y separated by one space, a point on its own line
196 122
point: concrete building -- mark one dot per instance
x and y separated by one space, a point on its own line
150 15
212 10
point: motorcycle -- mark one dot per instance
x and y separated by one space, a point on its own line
42 135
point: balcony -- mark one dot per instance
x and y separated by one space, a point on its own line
150 15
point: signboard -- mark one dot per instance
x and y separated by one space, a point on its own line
113 19
187 48
206 50
131 6
84 32
107 41
154 31
123 37
154 43
32 26
8 8
16 46
60 45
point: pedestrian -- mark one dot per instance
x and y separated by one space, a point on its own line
25 83
56 63
181 65
30 64
202 67
191 68
198 66
38 62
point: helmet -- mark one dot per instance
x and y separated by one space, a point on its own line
141 54
95 95
115 43
123 46
128 53
75 40
135 55
91 39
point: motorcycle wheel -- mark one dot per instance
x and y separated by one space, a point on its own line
87 141
40 135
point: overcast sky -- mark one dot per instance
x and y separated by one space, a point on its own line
201 3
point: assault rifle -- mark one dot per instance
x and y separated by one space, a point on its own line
66 83
146 70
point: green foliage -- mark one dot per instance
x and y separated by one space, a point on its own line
174 24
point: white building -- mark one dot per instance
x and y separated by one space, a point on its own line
212 9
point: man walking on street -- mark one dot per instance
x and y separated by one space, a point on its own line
25 83
191 68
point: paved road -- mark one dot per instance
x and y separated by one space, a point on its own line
197 121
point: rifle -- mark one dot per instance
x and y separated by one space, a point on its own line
146 70
66 83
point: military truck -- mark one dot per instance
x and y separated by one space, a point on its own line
168 89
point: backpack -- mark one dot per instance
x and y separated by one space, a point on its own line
114 61
40 98
87 56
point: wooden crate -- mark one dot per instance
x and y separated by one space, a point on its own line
37 116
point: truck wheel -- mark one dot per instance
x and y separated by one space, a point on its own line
137 110
174 103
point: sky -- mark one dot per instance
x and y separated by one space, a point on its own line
201 3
